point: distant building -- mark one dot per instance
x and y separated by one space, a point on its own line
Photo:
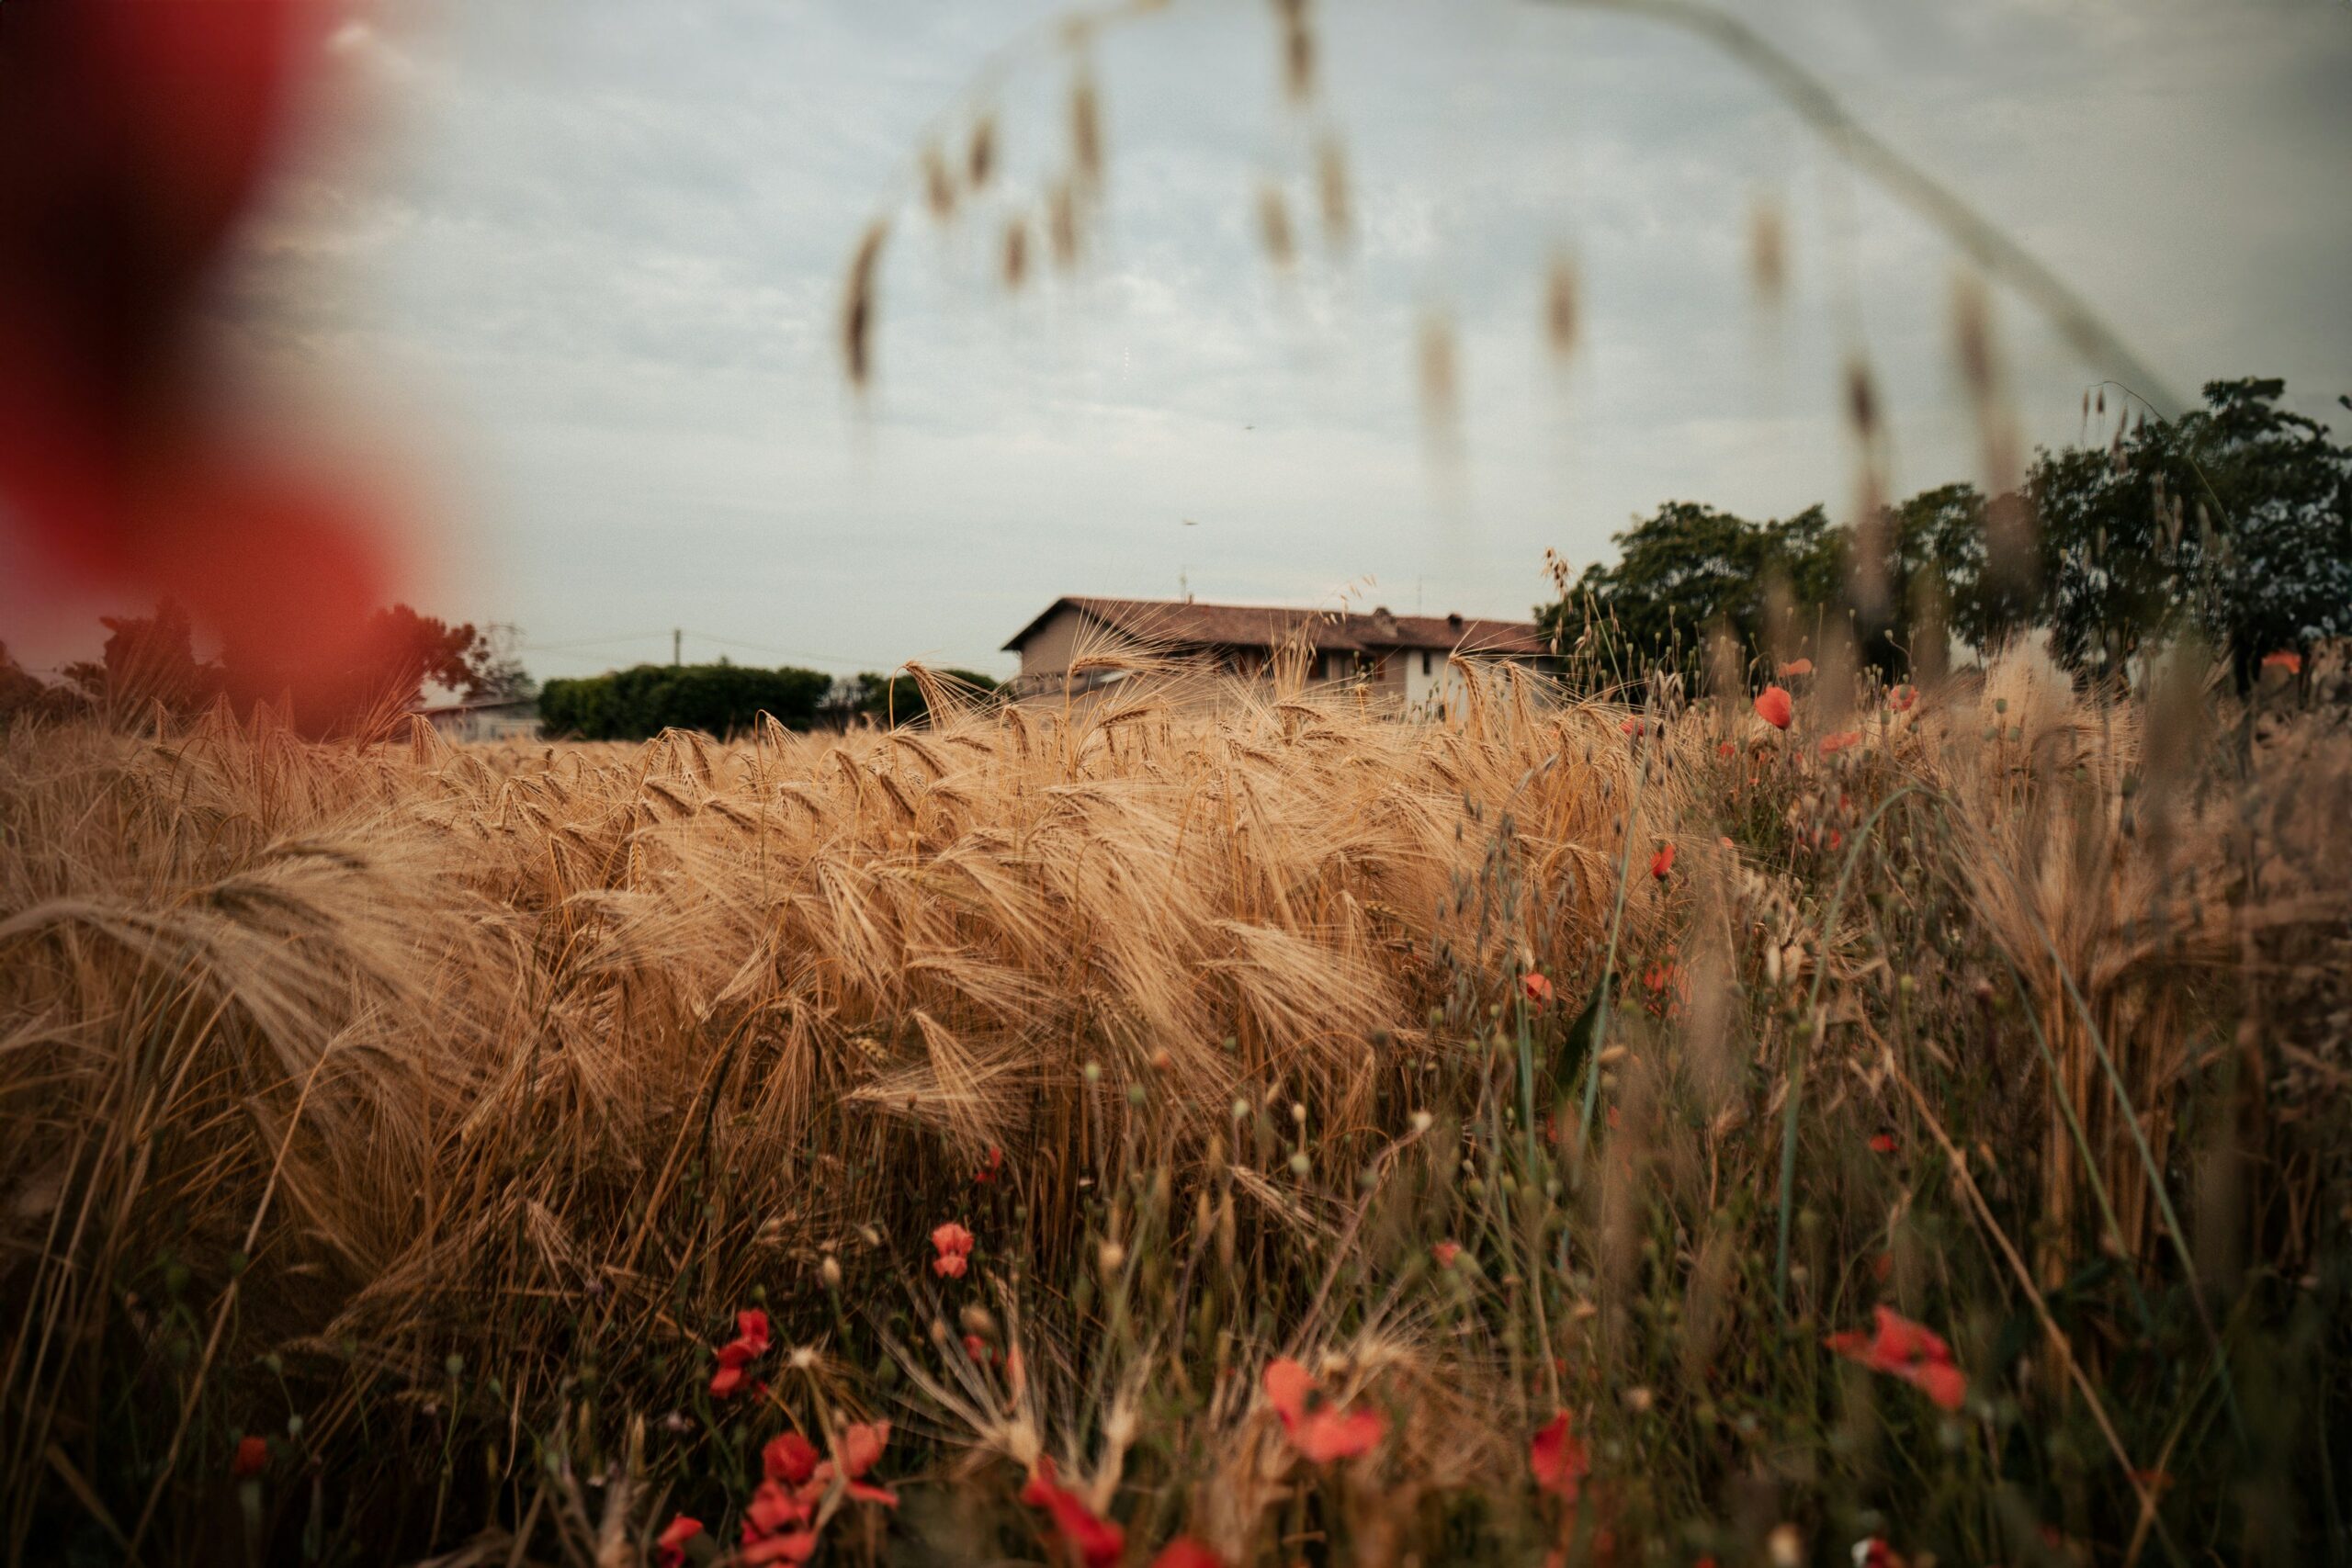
485 718
1402 657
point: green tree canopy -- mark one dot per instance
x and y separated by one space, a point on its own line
640 703
898 699
151 660
2234 521
1688 566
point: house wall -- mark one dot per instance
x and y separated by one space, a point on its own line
514 721
1426 677
1426 695
1417 681
1054 644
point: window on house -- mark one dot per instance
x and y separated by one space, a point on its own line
1425 662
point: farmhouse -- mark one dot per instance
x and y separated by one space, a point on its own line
1399 658
484 718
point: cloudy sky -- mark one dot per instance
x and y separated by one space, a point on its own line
577 268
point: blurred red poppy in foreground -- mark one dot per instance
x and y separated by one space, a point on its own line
751 1342
2285 658
791 1459
1538 989
252 1458
955 1245
862 1445
1662 862
1321 1433
776 1526
1559 1459
1093 1540
670 1546
132 139
1772 706
1902 1348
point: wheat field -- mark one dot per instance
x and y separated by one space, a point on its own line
398 1131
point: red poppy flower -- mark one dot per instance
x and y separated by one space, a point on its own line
977 1347
2286 659
132 139
1093 1540
791 1459
954 1245
1322 1433
1902 1348
1559 1459
751 1342
1841 740
1629 726
1662 862
1186 1553
1445 1252
1884 1144
773 1508
252 1458
861 1446
1796 667
1772 706
989 1167
1726 749
1538 989
670 1546
1668 987
1901 698
776 1524
1873 1552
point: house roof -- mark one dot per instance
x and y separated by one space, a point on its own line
1183 623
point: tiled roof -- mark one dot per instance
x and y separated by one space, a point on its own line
1181 623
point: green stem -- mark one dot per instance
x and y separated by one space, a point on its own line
1800 1052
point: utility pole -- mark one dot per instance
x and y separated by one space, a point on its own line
677 644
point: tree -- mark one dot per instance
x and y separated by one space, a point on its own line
499 673
381 675
147 660
2234 520
899 700
718 699
1689 566
151 661
23 694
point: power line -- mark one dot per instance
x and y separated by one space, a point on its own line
578 644
586 642
783 652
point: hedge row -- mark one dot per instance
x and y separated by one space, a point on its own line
724 699
720 699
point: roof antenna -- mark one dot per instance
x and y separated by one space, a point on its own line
1183 585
